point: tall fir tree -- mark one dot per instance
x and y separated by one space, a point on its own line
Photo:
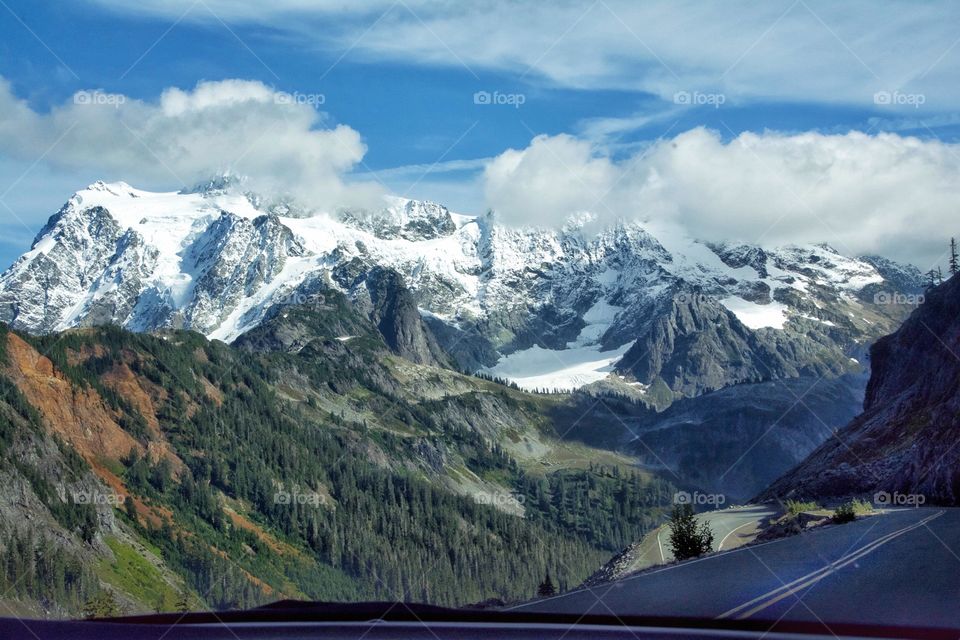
546 588
954 264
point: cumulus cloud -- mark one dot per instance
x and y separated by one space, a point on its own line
861 193
551 180
235 126
814 51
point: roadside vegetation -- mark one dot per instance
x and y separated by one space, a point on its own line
688 538
848 511
796 507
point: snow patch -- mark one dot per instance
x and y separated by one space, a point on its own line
757 316
564 369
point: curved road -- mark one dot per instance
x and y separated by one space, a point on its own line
900 567
731 528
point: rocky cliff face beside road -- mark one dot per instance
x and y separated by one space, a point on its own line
907 440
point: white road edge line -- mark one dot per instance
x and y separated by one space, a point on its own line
774 596
731 532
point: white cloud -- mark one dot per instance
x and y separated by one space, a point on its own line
861 193
238 126
813 51
549 181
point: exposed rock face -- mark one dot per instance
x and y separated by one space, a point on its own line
69 255
905 441
78 415
395 313
413 220
381 295
324 315
697 345
233 259
737 256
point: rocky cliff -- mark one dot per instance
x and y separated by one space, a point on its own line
905 443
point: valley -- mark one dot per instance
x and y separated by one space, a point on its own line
240 401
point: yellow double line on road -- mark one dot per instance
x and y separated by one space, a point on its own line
760 603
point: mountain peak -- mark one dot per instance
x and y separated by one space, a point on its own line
217 185
412 220
115 188
488 292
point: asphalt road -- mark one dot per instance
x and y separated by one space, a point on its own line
898 568
731 528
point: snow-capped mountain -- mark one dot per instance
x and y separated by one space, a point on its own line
639 306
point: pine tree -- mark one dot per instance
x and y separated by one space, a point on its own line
931 278
546 588
103 605
130 508
687 539
954 264
183 601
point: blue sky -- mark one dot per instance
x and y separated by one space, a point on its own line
603 81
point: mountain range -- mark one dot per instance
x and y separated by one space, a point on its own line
191 356
638 306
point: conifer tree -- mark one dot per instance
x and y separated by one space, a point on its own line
687 538
183 601
546 588
103 605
